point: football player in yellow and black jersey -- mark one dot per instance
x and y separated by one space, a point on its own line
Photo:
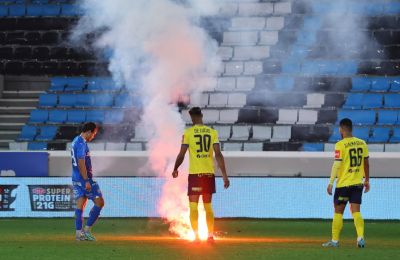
202 142
351 168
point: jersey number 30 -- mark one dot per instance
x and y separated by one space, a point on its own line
203 142
355 157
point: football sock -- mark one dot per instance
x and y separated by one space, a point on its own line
194 216
93 216
78 219
209 219
337 225
359 223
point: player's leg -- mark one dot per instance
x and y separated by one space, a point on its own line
80 206
194 214
355 205
94 213
340 201
207 199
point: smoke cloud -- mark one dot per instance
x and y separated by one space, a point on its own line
157 49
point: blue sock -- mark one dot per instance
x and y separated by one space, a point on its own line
78 219
93 215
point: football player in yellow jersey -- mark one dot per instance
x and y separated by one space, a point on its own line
202 142
351 166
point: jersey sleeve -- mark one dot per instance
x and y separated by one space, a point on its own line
185 138
366 152
339 152
215 139
80 151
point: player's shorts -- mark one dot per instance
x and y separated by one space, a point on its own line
352 194
199 184
80 191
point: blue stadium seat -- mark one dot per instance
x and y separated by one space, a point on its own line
34 10
48 100
380 84
291 66
113 117
379 135
70 10
104 100
51 10
360 84
361 132
76 84
100 83
58 83
359 117
395 85
392 8
346 68
96 116
76 116
354 101
124 101
392 101
39 116
39 1
36 146
335 135
17 10
387 117
396 136
57 116
313 147
67 100
3 11
373 9
310 68
305 38
283 83
85 100
372 101
47 133
28 133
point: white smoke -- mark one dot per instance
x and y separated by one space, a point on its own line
157 48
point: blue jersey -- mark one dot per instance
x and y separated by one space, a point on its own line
80 150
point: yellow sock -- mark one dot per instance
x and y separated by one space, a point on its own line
209 218
359 223
337 225
194 216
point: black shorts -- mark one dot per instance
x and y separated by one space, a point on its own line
199 184
350 194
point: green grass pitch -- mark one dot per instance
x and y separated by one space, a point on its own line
149 239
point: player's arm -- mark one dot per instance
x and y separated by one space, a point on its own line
179 159
335 167
221 164
366 174
82 166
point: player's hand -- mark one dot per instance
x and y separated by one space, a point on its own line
329 189
88 187
366 186
175 174
226 183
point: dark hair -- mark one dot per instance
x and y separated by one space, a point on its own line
347 124
195 111
89 126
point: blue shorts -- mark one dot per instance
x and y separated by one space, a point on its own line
80 191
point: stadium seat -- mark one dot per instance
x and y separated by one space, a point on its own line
124 101
360 84
392 101
262 132
361 132
354 101
240 132
359 117
391 8
283 83
48 100
387 117
58 83
103 100
36 146
224 132
396 136
313 147
67 100
372 101
113 117
47 133
3 11
379 135
85 100
395 85
380 84
28 133
76 116
96 116
17 10
57 116
95 84
70 10
39 116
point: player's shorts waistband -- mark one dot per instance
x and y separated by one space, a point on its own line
351 186
78 183
202 174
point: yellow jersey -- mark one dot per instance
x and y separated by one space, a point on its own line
200 139
351 152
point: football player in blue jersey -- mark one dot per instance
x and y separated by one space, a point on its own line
84 186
